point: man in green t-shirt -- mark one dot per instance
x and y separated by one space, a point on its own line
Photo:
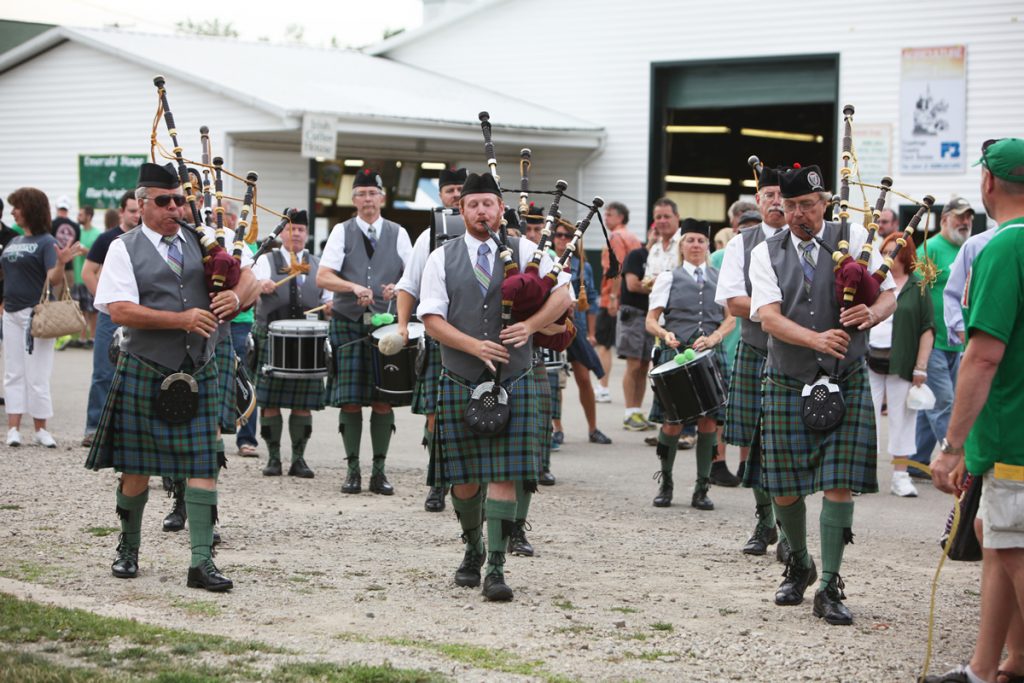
81 294
957 216
986 420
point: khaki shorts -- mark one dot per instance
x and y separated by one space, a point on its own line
1002 512
631 338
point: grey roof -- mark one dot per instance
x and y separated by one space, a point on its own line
288 80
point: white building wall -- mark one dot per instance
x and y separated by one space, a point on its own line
283 179
49 114
592 58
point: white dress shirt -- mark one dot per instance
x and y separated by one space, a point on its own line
334 251
765 284
663 285
264 270
433 291
413 272
731 282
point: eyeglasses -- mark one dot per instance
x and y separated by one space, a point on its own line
562 236
164 200
804 206
364 195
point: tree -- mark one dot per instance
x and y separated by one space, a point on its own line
207 27
295 33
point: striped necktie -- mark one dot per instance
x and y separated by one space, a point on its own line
699 275
808 263
483 269
174 259
371 234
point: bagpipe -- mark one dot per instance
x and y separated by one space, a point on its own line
221 267
524 292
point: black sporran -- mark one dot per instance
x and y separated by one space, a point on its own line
822 406
178 400
488 411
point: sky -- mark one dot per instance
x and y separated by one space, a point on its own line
353 23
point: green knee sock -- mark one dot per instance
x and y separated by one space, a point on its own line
794 523
382 425
201 507
705 454
836 520
129 509
523 498
300 427
469 512
667 447
270 430
764 502
501 516
351 427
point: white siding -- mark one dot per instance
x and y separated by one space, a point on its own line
593 59
282 179
49 114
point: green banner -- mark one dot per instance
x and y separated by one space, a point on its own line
103 178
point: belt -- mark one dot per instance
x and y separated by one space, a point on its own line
1007 472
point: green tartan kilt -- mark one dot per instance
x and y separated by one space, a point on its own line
543 389
132 439
352 382
460 456
424 398
797 461
225 356
555 390
666 354
743 413
281 392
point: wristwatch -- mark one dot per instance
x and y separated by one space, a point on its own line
948 449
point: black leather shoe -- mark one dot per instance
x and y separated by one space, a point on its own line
741 470
495 588
828 603
208 577
721 476
664 497
546 478
797 579
380 484
597 436
782 551
300 469
273 468
763 537
700 498
175 519
353 483
468 573
517 543
126 564
435 500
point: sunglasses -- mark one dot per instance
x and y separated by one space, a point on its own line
984 149
562 235
164 200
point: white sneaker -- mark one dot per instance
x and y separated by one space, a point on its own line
13 437
902 486
43 438
602 395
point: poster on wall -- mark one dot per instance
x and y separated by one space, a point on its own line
933 110
103 178
873 146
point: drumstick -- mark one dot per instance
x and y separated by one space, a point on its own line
286 279
317 309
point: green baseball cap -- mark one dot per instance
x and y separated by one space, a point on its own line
1004 158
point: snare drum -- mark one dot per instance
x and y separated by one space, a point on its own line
298 349
395 376
689 390
554 360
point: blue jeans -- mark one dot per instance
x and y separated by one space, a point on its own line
102 371
246 434
931 424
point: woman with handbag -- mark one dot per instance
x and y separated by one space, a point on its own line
898 352
30 264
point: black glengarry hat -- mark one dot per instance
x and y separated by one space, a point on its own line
452 176
801 180
299 217
694 225
155 175
480 184
769 177
368 178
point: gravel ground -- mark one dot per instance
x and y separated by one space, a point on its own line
619 590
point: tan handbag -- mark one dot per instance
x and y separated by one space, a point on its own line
52 319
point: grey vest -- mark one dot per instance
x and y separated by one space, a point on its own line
385 267
476 315
274 306
750 331
817 311
691 308
160 289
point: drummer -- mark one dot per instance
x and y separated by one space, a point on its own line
287 281
686 297
424 397
361 263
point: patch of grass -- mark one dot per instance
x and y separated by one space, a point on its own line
29 572
726 611
473 655
200 608
624 610
563 604
18 666
663 626
299 579
651 656
10 506
575 630
352 673
101 531
635 635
